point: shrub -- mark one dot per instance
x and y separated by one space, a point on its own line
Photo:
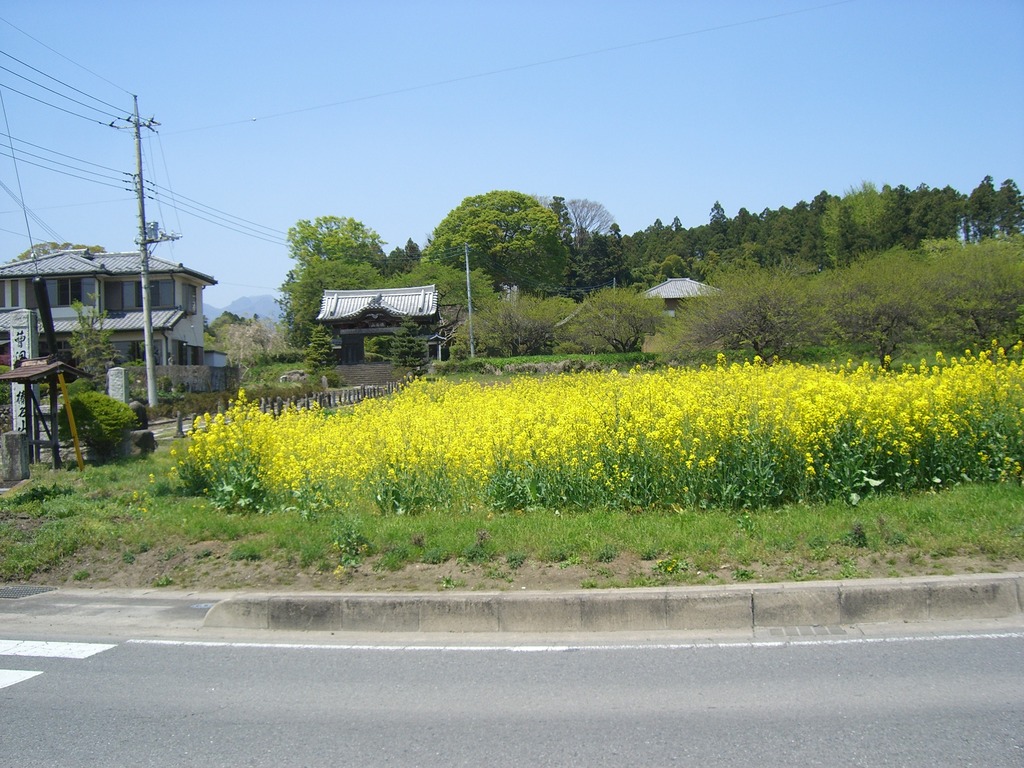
101 422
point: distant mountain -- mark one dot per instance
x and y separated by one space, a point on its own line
246 306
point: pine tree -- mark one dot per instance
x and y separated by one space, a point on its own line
408 350
319 350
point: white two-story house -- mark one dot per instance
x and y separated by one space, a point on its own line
112 284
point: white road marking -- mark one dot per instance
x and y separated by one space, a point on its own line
50 649
561 648
12 676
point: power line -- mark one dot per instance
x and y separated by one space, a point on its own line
221 222
32 215
63 96
22 153
521 67
54 106
66 58
167 173
60 154
173 198
77 205
98 180
56 80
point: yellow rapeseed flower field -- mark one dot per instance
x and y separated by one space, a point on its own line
727 435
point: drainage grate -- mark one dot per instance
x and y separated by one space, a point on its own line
13 593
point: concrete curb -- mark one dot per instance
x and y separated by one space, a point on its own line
821 603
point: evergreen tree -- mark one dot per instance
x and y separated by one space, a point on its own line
1010 212
319 350
982 211
408 349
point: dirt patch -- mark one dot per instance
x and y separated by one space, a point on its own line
214 565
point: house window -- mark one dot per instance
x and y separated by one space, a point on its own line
121 295
131 295
130 351
161 293
191 300
65 291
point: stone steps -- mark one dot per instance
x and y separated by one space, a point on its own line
369 374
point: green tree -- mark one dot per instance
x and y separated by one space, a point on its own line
976 290
330 253
879 302
615 320
853 224
319 354
768 311
334 238
408 349
672 266
401 259
90 341
452 304
45 249
599 260
936 214
304 286
982 211
511 237
1010 216
521 325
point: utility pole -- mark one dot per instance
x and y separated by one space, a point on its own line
469 302
147 310
146 240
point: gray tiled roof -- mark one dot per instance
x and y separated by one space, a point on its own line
679 288
420 301
82 262
163 320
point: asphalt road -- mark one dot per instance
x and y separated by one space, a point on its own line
934 699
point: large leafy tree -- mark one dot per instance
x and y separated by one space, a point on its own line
511 236
452 303
330 253
334 238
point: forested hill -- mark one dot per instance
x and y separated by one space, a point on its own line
829 231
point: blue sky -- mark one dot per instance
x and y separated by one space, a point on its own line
393 112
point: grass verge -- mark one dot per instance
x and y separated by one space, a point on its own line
125 524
